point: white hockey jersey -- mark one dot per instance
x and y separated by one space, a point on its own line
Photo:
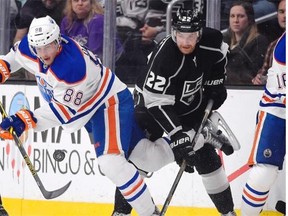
274 98
74 85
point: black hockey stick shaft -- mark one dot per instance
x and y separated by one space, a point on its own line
204 119
46 194
183 165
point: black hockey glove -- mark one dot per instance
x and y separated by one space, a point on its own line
217 94
182 149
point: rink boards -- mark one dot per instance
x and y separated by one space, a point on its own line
91 193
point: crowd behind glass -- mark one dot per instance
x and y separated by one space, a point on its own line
139 32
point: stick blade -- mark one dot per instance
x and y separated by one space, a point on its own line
56 193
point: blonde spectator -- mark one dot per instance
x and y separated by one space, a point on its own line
247 45
84 22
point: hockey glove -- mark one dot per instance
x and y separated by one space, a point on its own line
20 122
182 148
4 71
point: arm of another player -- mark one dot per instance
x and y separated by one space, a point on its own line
8 64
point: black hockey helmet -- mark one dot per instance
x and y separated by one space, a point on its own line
187 20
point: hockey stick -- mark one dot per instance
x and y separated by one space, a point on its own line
183 165
46 194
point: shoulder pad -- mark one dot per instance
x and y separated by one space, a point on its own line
23 47
211 38
69 65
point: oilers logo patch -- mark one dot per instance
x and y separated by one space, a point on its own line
45 89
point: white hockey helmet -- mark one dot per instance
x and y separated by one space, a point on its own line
43 31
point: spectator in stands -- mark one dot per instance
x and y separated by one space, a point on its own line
131 17
261 8
150 31
14 10
3 212
247 45
84 22
30 10
154 23
270 27
261 77
153 30
38 8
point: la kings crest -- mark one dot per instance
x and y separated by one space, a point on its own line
189 90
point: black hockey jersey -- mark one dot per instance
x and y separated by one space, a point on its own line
175 83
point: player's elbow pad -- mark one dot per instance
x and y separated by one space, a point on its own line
4 71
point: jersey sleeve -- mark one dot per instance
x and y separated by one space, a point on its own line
214 78
45 118
273 99
10 58
215 51
26 15
217 75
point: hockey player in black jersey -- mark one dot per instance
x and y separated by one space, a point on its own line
185 70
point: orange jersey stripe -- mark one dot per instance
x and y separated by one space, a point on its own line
64 111
113 147
265 98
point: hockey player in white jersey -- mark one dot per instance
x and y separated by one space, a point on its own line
79 91
268 149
